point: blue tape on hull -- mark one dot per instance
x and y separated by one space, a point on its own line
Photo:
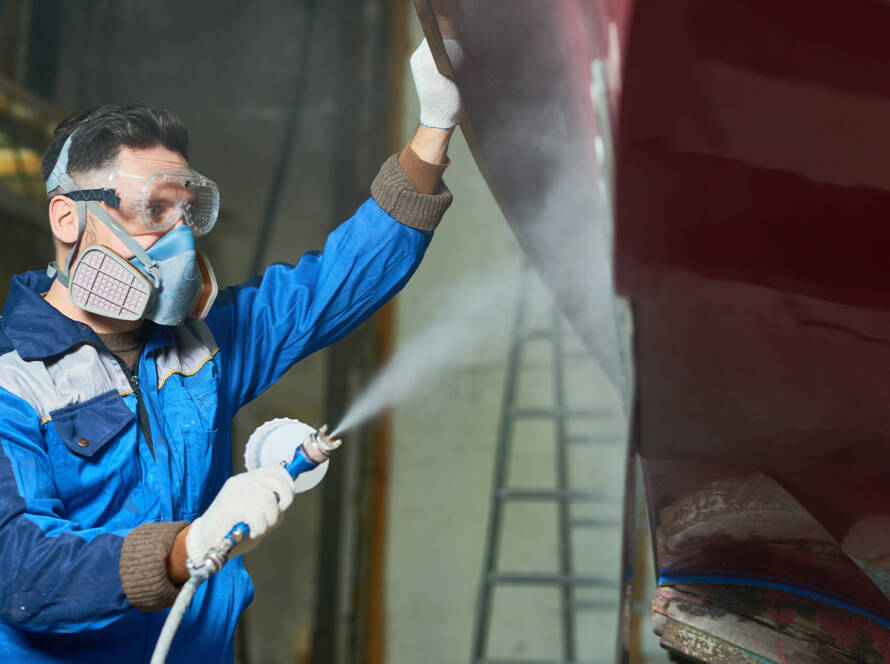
666 578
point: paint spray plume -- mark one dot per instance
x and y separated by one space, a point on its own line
464 317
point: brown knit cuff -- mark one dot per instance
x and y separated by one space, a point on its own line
426 177
394 192
143 565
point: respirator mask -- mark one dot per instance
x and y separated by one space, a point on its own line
170 280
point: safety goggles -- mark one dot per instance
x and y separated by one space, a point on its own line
156 195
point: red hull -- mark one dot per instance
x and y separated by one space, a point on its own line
752 192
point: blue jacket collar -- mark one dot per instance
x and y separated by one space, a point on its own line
37 330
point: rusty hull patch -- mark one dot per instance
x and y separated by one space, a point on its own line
734 623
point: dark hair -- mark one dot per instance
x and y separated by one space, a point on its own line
102 131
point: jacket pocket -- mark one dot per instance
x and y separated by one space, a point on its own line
196 472
87 427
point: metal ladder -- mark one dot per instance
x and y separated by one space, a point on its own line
566 578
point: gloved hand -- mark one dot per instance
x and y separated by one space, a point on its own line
439 99
257 498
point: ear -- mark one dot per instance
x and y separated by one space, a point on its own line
63 219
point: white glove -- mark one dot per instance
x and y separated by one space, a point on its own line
257 498
439 98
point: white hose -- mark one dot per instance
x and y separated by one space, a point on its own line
317 448
175 616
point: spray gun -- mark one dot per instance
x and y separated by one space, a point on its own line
307 465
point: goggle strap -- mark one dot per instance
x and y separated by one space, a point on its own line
105 195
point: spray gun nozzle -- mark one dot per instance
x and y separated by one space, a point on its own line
319 445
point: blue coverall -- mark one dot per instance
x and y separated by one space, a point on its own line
77 473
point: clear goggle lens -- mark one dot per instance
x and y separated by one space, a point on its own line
170 197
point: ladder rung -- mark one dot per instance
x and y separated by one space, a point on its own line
542 661
574 413
576 355
594 440
556 494
594 523
594 605
539 333
545 333
533 579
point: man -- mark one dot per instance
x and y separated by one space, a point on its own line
120 371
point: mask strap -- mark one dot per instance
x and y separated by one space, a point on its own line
53 270
59 176
59 179
150 264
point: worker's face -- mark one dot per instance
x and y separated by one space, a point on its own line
138 164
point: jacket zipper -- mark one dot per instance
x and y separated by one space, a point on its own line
142 413
141 410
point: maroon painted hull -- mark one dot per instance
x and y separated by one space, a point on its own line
752 198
